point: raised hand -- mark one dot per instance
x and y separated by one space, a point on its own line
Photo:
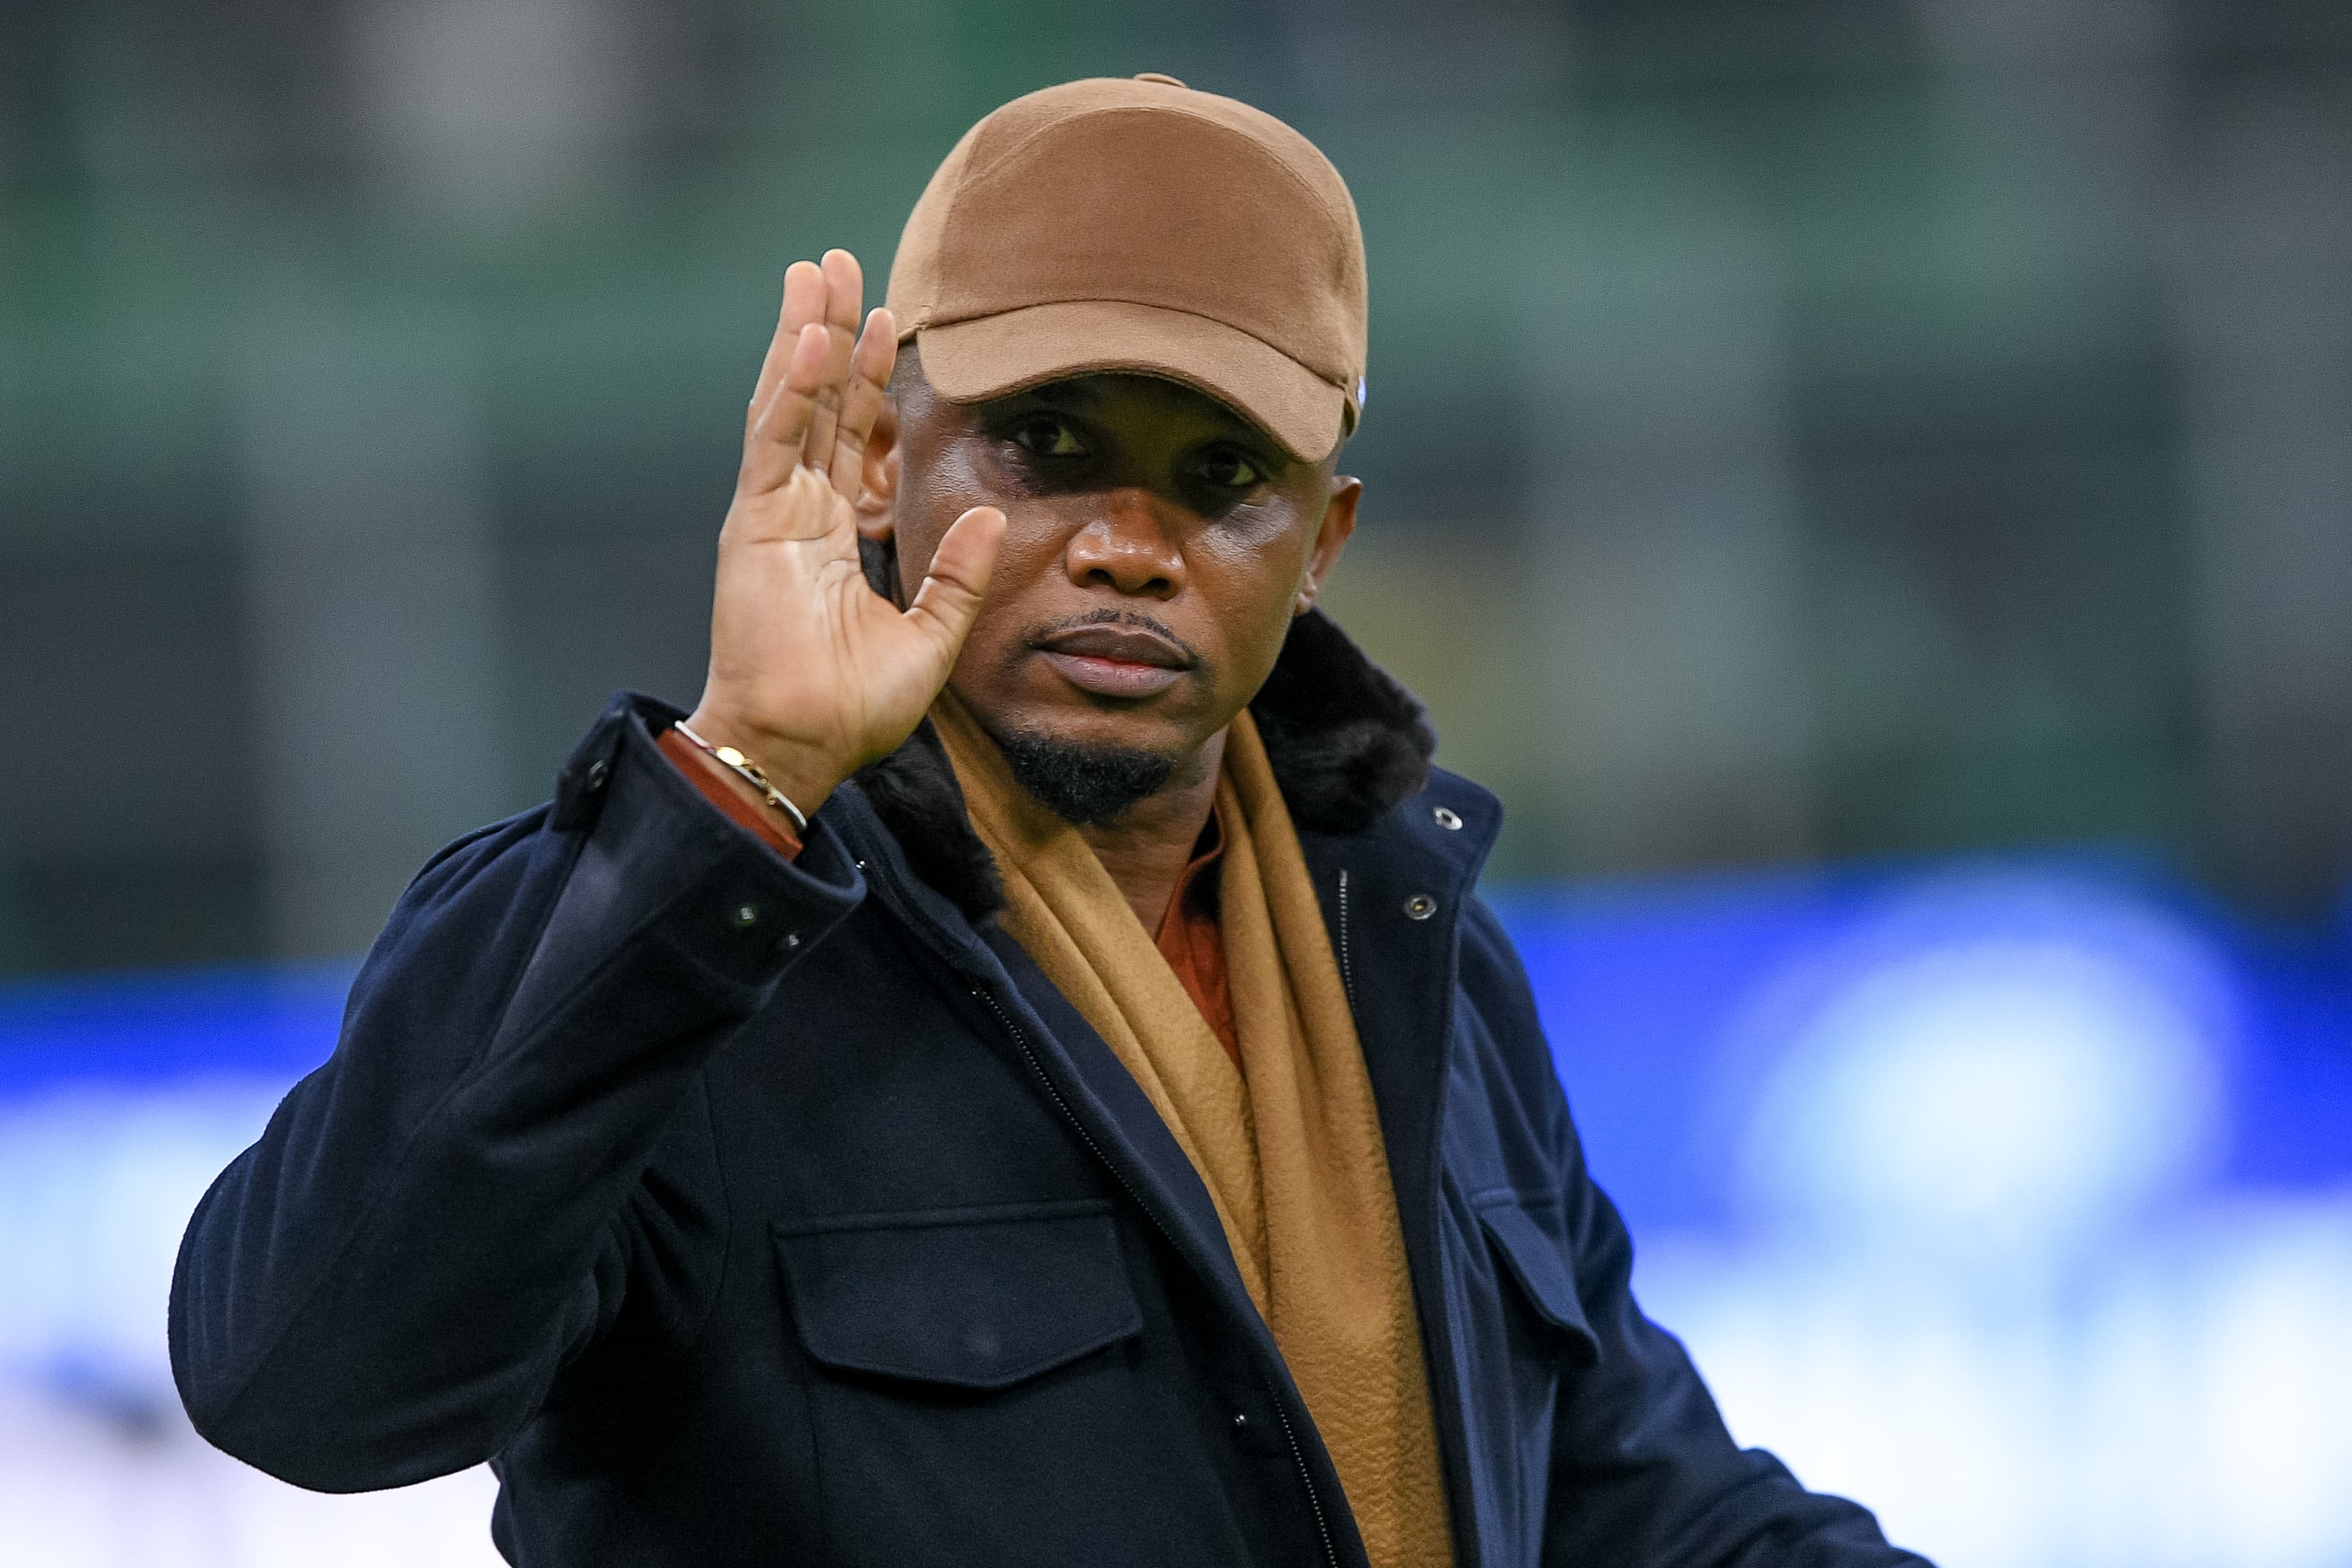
813 674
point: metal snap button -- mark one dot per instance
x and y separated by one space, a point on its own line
747 914
1419 907
1447 819
598 772
1241 1421
792 940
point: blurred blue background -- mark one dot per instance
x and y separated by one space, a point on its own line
1869 482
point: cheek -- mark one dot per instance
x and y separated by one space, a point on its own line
941 484
928 500
1030 556
944 480
1253 585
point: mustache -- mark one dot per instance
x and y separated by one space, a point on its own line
1110 615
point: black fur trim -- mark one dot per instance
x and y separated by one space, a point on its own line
914 792
1347 742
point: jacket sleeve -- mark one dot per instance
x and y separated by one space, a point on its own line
1644 1472
385 1286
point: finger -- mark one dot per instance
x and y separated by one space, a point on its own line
948 599
861 401
844 296
803 302
771 448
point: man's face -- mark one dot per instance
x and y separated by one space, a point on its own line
1157 546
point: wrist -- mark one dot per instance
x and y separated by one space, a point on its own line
800 772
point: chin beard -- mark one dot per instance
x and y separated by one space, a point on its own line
1079 783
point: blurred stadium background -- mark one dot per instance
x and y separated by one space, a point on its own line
1869 484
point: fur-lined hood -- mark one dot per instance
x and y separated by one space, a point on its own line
1348 743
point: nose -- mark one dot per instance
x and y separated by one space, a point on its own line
1130 549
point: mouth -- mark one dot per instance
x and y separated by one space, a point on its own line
1115 660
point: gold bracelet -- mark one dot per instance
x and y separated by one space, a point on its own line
729 757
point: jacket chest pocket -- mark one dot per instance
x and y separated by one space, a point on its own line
1536 1264
1531 1338
983 1388
972 1299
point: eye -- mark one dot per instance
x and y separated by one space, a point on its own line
1230 470
1049 437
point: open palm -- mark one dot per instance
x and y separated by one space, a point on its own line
813 674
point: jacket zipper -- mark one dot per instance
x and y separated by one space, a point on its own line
1299 1458
1346 960
1020 1039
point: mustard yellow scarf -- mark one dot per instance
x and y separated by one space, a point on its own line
1288 1145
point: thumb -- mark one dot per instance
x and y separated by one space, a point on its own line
948 599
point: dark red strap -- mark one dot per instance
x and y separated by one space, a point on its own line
731 793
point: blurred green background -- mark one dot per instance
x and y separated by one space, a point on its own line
1802 431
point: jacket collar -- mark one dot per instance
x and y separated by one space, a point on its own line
1347 742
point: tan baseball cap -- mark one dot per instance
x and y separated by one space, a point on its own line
1117 224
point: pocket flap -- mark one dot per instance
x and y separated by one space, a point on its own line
978 1299
1541 1265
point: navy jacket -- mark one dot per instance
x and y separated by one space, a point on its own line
745 1211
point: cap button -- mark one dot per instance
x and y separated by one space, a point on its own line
1162 77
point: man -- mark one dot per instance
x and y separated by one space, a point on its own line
1019 1075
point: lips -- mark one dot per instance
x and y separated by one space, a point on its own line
1120 644
1115 661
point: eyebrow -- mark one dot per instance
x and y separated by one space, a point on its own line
1084 394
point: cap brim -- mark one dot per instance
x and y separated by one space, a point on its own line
992 356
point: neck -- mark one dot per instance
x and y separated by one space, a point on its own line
1147 846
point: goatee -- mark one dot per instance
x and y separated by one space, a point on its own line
1079 783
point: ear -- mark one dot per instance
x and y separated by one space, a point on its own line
1331 539
879 496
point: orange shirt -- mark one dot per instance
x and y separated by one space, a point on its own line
1189 936
1191 942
